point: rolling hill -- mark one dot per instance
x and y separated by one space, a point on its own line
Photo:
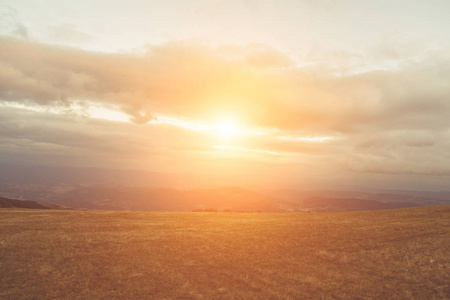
13 203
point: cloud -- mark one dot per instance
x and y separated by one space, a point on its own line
386 120
200 82
10 24
31 136
180 79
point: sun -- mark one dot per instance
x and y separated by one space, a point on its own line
226 128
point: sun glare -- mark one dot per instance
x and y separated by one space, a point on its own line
227 129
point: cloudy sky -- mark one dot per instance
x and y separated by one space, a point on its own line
288 92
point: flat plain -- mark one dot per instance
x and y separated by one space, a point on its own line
390 254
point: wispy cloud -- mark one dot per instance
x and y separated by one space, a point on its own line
10 23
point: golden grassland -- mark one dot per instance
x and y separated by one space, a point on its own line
392 254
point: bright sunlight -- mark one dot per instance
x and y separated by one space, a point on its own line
227 129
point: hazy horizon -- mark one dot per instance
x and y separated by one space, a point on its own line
270 94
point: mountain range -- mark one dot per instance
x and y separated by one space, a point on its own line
101 189
221 199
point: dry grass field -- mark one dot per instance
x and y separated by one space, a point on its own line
392 254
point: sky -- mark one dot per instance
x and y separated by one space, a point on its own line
264 93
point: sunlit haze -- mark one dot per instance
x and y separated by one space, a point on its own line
268 94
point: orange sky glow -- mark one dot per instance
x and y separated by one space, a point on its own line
286 93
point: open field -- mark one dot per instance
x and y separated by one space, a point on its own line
392 254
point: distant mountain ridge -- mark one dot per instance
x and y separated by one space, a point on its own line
419 197
14 203
107 189
220 199
166 199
